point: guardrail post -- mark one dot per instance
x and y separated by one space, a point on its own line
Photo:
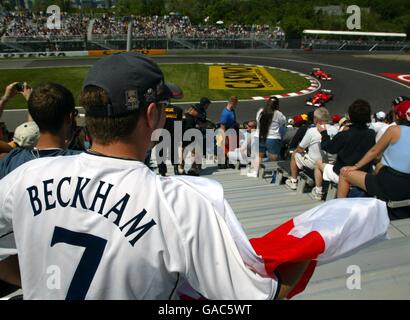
342 46
372 48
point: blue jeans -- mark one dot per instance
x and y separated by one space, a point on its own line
272 146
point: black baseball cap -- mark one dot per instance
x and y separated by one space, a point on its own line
204 101
131 81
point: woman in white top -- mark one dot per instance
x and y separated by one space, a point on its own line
269 123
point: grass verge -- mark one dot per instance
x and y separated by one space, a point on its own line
192 78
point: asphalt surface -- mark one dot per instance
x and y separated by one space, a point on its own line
353 78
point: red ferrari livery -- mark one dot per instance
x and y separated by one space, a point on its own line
320 98
320 74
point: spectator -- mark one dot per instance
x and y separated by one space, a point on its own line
11 91
349 146
335 120
26 135
392 176
172 115
202 108
289 135
243 153
190 122
300 133
310 143
227 121
389 121
378 121
52 108
269 120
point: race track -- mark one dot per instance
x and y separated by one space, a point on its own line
354 77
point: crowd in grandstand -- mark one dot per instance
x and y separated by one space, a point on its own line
33 25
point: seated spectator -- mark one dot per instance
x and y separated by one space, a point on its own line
269 122
391 180
26 135
245 144
52 107
335 120
388 121
300 133
310 142
349 146
378 121
290 134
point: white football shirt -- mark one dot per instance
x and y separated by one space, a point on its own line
95 227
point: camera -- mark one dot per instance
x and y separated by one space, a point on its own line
19 86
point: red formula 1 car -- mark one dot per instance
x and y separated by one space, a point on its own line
320 98
320 74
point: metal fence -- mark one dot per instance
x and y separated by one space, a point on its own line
96 42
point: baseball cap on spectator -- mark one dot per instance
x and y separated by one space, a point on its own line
402 110
335 118
380 116
204 101
131 81
298 120
400 99
26 135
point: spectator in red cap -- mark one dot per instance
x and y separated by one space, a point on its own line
392 178
298 120
335 119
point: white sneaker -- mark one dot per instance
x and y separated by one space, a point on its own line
252 174
292 183
316 194
244 171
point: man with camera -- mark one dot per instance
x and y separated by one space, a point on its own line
11 91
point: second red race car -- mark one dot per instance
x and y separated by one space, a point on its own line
320 74
320 98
